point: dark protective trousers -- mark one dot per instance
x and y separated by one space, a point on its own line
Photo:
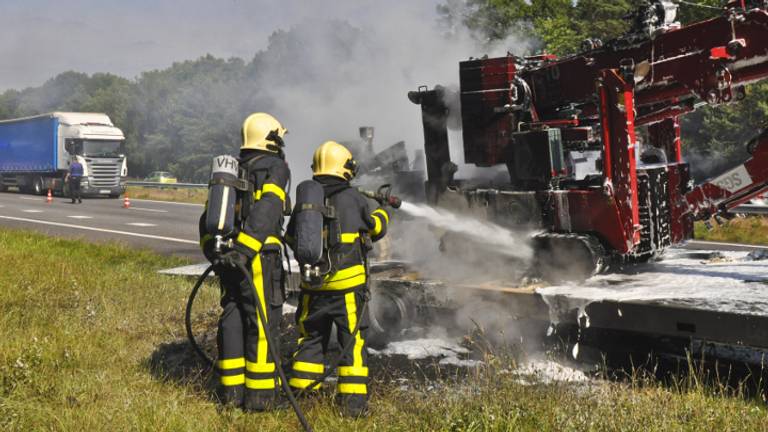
74 188
244 358
314 317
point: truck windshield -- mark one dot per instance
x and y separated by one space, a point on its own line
102 148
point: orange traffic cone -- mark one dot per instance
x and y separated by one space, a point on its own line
126 201
49 198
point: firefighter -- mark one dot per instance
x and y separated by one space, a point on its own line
337 297
247 371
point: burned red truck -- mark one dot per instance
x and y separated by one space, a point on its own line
568 132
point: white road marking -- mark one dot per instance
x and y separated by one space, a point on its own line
141 224
32 211
33 199
80 217
100 230
149 210
167 202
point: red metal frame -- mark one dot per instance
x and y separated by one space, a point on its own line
635 82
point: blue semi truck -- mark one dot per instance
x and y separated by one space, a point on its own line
35 153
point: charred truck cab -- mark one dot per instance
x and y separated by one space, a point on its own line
568 131
35 153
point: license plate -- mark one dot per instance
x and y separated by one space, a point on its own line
105 191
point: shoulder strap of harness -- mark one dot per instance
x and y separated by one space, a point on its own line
246 169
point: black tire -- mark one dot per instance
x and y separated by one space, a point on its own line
37 186
389 315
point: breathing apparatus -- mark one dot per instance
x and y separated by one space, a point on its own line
221 212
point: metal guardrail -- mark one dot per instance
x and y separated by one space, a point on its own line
750 209
166 185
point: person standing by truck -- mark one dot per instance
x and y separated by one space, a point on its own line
74 176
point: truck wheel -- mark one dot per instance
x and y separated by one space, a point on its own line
37 186
389 314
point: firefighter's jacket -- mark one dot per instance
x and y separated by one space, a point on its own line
260 215
348 236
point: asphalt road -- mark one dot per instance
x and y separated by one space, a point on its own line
168 228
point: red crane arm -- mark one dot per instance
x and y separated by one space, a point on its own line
735 187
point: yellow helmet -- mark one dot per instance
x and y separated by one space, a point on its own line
333 159
261 131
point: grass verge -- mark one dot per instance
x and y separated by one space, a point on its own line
751 230
196 196
91 338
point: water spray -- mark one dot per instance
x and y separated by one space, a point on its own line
504 241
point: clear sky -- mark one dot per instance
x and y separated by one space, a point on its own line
41 38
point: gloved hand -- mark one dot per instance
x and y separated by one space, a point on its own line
233 259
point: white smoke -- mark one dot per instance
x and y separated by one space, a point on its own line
343 74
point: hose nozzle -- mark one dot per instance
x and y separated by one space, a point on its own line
383 196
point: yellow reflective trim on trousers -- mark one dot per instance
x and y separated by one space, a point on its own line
357 350
249 242
346 273
345 284
352 371
316 368
302 383
233 380
383 213
302 318
258 282
260 368
273 189
205 239
349 237
229 364
260 384
353 388
257 195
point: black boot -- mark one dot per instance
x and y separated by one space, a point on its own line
231 395
262 400
353 405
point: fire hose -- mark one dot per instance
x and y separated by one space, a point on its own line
270 341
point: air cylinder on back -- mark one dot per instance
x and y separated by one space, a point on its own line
310 200
222 196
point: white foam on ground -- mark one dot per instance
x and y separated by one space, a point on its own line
448 353
548 372
735 283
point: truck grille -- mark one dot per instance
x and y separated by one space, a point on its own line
103 173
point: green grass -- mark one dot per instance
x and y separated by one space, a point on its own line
91 338
748 230
197 196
